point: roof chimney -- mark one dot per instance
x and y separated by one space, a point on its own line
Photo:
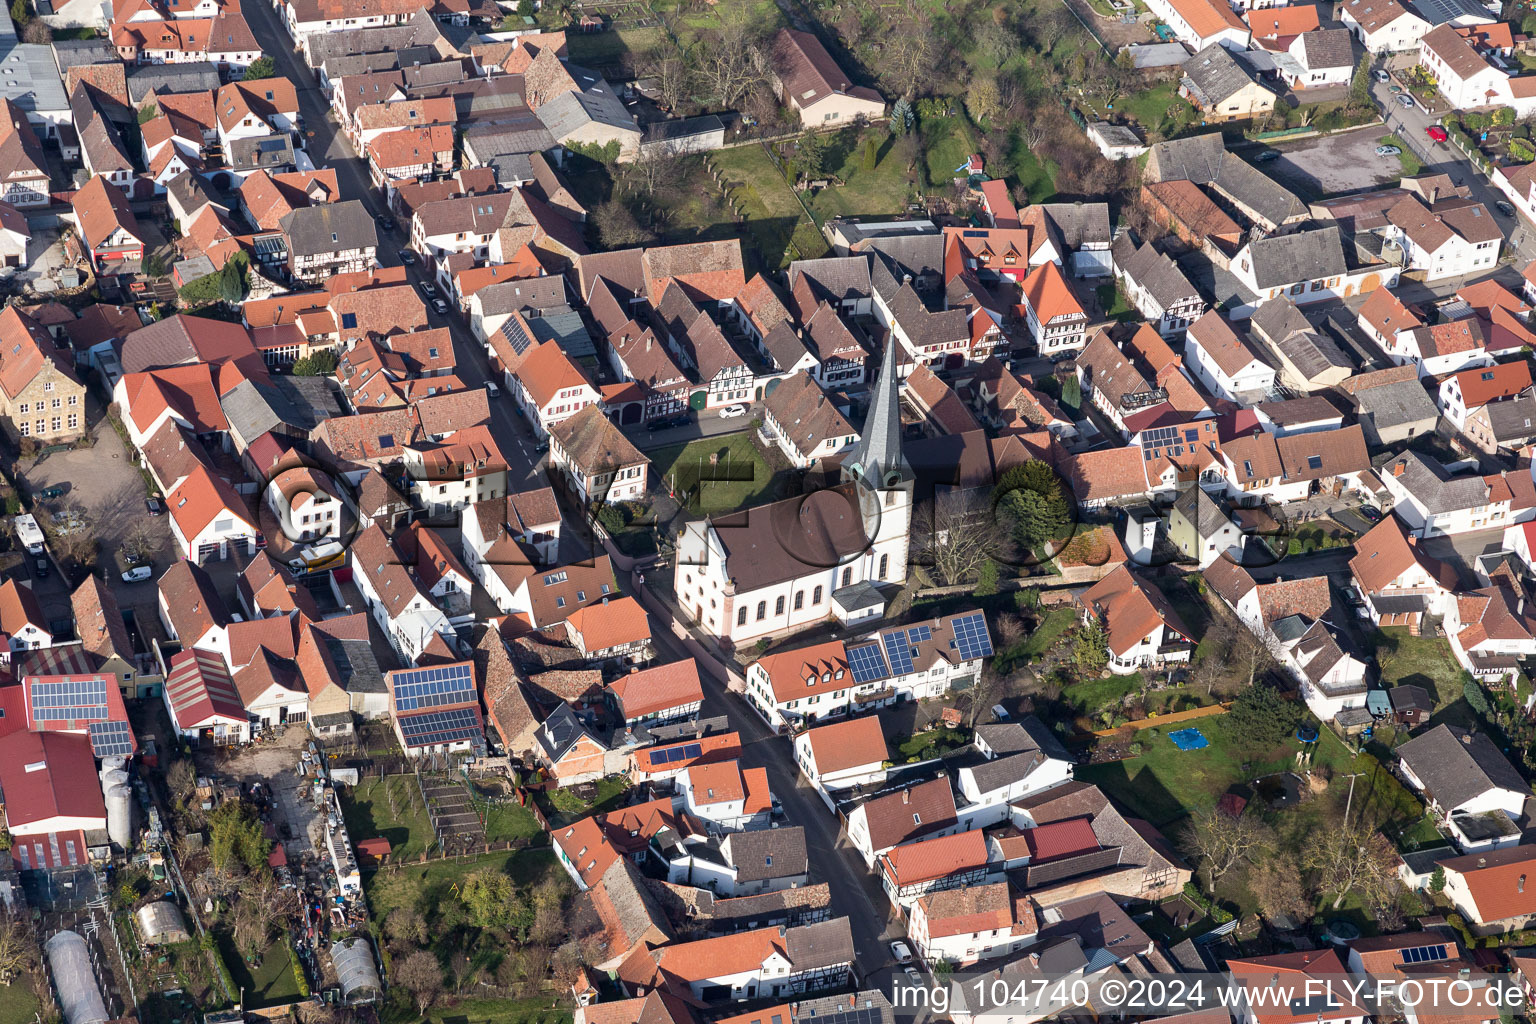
906 796
1434 194
1399 466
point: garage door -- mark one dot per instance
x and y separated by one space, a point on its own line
205 552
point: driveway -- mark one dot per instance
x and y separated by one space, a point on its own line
1330 164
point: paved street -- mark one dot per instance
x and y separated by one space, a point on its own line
1409 124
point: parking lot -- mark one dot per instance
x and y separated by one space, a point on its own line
1331 164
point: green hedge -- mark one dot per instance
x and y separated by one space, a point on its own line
1211 907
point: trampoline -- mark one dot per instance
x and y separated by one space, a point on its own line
1188 739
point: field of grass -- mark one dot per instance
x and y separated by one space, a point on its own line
681 467
1149 108
773 214
941 740
596 49
269 983
18 1003
401 886
366 810
509 822
864 193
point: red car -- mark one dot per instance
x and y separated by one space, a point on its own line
1436 132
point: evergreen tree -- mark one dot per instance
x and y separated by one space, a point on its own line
902 118
261 67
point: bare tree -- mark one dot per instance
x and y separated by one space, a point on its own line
617 226
649 172
140 542
1048 28
1278 890
673 76
732 63
959 537
18 950
1221 841
1354 859
989 686
421 976
908 58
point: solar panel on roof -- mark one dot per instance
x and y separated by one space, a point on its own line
692 750
69 700
866 663
1423 954
434 687
971 638
110 739
899 652
433 727
918 634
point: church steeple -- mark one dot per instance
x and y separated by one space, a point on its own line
877 461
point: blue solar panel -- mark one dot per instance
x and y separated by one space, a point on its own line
899 653
971 638
1423 954
111 739
434 687
866 663
693 750
918 634
435 727
69 700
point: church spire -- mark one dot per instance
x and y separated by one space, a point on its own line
878 454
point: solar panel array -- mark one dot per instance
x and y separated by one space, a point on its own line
919 634
1423 954
971 638
866 663
899 652
70 700
111 739
433 727
682 753
434 687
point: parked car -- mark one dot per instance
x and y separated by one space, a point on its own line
387 223
152 506
667 424
1437 133
138 574
999 712
406 256
1387 151
56 491
1406 100
440 307
1504 207
730 412
492 390
901 951
429 289
40 566
1370 513
913 976
1266 156
1382 76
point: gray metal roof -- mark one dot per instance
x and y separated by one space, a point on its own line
567 114
1157 55
1390 405
564 326
271 152
198 76
1439 12
1213 74
1300 256
683 128
29 77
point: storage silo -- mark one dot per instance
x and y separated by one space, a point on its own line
69 961
119 801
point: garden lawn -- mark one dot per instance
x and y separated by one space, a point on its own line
688 462
593 48
941 739
1093 696
1149 108
1056 622
401 886
563 806
365 807
773 214
270 983
509 821
947 144
1112 301
882 190
1423 660
18 1004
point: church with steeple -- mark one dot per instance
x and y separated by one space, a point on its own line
840 552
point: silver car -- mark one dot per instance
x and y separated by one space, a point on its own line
1406 100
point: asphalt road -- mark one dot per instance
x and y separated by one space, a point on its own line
1410 124
328 147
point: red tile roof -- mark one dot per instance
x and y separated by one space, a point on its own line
1490 383
1061 839
659 688
201 691
49 775
618 622
852 743
930 859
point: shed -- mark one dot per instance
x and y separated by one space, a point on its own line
355 969
1411 704
374 850
161 923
